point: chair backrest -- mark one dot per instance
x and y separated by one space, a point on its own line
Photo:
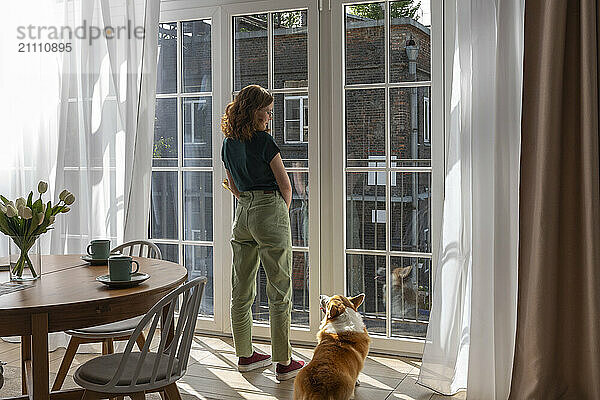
175 350
144 249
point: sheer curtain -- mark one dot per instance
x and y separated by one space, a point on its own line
107 116
30 92
83 119
470 340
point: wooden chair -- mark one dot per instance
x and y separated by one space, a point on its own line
134 374
108 333
144 249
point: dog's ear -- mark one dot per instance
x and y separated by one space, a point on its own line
324 299
404 272
357 300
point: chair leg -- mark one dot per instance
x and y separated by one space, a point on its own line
104 347
110 346
163 395
172 392
141 340
66 362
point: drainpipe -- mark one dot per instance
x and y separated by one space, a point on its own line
412 52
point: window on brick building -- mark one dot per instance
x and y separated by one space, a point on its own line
295 125
426 121
196 113
378 177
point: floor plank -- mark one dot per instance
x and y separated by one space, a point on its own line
409 389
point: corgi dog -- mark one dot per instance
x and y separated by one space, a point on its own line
343 345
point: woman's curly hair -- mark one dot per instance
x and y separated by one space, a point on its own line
239 120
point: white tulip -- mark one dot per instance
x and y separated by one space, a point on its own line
63 194
42 187
11 211
27 213
70 199
20 202
65 210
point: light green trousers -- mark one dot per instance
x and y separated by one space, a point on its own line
261 231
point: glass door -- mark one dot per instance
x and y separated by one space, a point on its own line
183 195
385 138
270 45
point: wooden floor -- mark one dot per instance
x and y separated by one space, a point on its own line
212 374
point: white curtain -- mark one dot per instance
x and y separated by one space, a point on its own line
107 116
82 120
470 340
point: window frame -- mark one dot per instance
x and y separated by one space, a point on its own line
397 345
177 15
228 12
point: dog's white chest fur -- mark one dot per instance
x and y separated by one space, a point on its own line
349 321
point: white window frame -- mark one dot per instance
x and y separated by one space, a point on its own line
228 12
171 14
302 123
222 53
408 346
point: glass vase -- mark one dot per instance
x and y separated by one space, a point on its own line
25 258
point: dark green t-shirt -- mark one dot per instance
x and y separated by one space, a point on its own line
248 161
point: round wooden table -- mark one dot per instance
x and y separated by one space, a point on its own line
67 296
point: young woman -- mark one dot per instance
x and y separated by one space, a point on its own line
261 230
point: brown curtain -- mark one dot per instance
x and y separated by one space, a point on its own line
557 352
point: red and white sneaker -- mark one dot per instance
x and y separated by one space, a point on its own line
255 361
285 372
